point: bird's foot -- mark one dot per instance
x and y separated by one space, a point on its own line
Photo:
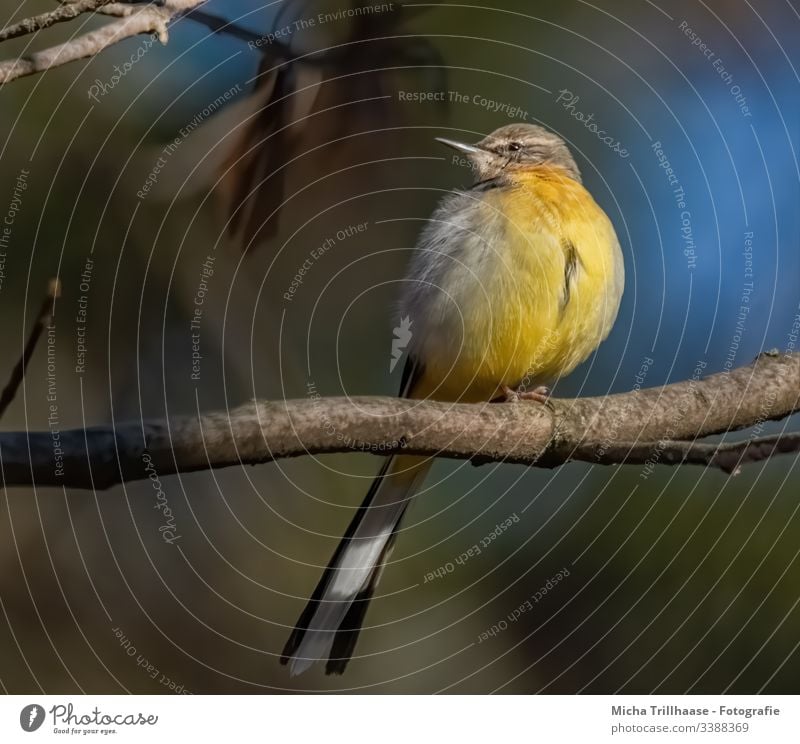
540 394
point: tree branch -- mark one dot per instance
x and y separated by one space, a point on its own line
134 20
45 20
223 26
588 429
727 457
43 319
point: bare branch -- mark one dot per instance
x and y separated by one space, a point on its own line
223 26
731 457
727 457
45 20
42 321
588 429
139 19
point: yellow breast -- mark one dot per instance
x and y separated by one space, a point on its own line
531 292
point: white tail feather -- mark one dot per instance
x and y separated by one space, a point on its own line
359 559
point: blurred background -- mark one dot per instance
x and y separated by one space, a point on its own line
159 181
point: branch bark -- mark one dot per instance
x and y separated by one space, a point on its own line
45 20
132 21
661 422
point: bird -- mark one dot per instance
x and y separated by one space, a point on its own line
513 283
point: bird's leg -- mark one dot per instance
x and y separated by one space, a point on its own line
510 395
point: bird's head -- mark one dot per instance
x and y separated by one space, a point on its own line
514 147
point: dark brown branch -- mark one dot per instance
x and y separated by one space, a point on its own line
727 457
731 457
230 28
43 319
587 429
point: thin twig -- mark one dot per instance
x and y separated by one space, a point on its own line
728 457
276 51
45 20
43 319
230 28
142 19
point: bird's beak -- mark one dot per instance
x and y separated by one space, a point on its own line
461 146
484 163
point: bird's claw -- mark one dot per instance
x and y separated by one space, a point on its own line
540 394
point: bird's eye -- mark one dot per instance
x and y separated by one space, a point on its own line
514 146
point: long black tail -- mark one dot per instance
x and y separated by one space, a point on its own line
331 621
